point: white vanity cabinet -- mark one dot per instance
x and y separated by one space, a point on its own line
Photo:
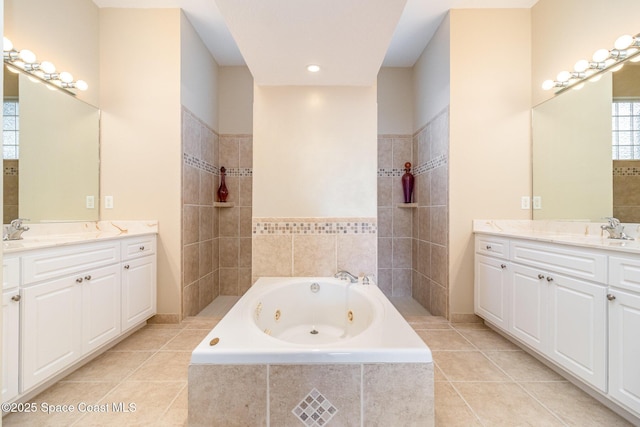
555 303
138 281
624 331
493 280
75 299
10 327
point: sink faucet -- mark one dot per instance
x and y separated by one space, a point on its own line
345 275
14 230
615 229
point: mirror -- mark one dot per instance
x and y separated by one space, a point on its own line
55 176
574 173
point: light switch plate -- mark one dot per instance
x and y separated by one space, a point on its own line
108 202
90 202
525 202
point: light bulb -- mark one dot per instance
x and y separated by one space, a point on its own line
47 67
7 46
563 76
578 86
66 77
548 84
617 67
27 56
82 85
313 68
600 55
581 66
623 42
635 59
595 78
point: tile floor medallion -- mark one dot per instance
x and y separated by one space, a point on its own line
314 409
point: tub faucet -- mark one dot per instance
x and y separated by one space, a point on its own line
615 229
14 230
345 275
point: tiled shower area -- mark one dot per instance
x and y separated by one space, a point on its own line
216 237
413 239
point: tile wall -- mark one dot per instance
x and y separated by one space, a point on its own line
291 247
216 241
430 244
626 190
413 241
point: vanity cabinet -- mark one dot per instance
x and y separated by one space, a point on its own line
624 326
10 327
78 298
554 302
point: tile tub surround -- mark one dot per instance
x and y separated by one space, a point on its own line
44 235
288 247
363 394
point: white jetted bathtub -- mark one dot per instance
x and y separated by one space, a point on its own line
311 351
312 320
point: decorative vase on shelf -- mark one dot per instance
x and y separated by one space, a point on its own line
407 183
222 190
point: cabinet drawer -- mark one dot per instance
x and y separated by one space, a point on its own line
10 273
561 259
625 273
55 262
138 246
492 246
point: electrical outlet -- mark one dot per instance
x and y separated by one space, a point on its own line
537 202
525 202
108 202
90 202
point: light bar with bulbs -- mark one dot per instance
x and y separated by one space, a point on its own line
625 47
26 60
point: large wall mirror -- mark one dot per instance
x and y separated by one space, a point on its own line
50 153
586 150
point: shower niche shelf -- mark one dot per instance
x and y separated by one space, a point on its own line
223 204
407 205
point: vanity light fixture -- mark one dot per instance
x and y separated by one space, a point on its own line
625 47
26 60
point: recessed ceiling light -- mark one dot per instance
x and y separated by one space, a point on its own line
313 68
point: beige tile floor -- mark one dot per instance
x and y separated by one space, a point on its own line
481 379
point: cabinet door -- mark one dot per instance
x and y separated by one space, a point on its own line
624 348
138 291
100 307
577 328
492 290
50 335
528 299
10 343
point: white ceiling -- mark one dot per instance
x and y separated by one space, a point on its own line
361 34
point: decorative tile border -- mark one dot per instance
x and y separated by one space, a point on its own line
197 163
423 168
11 170
314 226
315 409
626 171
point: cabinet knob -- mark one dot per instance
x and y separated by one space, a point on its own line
79 280
488 247
15 298
87 277
142 248
611 297
549 279
126 267
503 266
540 276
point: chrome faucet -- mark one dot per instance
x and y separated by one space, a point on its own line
615 229
14 230
345 275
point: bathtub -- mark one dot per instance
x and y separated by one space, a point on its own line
315 352
312 320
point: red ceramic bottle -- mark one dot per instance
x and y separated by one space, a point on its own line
407 183
222 190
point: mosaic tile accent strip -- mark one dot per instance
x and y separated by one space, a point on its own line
11 170
207 167
307 226
628 171
423 168
314 410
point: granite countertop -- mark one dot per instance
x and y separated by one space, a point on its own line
576 233
46 235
